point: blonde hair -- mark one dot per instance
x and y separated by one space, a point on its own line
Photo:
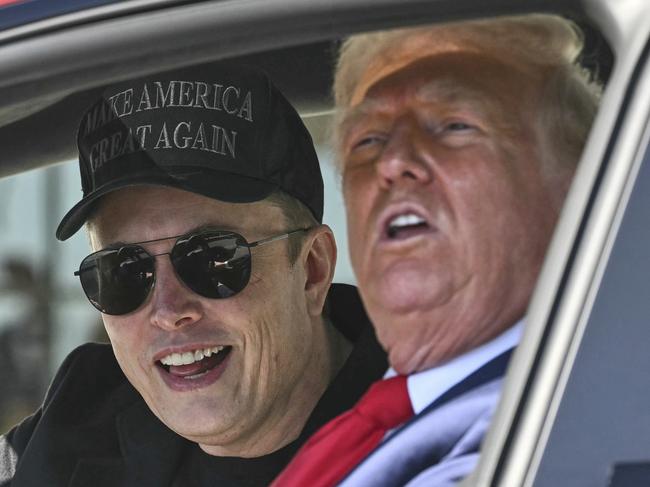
546 44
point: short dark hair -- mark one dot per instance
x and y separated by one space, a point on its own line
296 215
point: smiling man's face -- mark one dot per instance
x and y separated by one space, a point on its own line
449 214
261 344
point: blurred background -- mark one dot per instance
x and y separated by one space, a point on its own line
43 311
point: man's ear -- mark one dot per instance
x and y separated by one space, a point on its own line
319 259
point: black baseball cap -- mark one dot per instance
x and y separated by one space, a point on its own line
223 131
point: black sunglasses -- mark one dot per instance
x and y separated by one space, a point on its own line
215 264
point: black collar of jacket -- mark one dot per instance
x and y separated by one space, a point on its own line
149 454
79 442
94 429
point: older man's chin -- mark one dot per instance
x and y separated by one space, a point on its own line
415 341
401 337
409 358
398 293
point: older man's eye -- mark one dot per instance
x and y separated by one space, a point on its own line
458 127
367 141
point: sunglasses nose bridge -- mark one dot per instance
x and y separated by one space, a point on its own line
173 305
171 263
157 264
161 253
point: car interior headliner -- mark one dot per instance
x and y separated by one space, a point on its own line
53 69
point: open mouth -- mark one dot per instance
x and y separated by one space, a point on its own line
406 225
194 364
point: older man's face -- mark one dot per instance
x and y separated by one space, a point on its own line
448 212
264 330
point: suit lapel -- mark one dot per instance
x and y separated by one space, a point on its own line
425 439
494 369
438 436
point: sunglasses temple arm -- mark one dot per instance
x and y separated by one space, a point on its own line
277 237
78 272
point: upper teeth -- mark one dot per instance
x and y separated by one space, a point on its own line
406 220
187 358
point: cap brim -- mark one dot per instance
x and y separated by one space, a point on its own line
230 188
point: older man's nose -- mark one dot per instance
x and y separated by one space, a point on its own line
173 305
403 159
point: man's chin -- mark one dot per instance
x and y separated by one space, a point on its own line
392 301
402 289
406 360
190 419
198 429
411 358
412 340
396 333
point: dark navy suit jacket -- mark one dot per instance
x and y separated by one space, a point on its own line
439 446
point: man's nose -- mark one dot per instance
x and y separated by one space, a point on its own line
404 158
173 305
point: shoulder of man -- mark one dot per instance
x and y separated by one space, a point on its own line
88 376
88 386
88 369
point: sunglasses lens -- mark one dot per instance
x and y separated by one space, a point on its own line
214 265
117 281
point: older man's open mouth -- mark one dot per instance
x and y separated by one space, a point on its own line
405 224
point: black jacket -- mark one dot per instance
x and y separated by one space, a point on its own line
94 429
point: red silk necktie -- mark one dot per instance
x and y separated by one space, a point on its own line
336 448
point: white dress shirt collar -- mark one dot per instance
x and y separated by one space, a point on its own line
428 385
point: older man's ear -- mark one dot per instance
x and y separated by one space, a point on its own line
318 258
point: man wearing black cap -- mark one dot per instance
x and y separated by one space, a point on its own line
203 200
